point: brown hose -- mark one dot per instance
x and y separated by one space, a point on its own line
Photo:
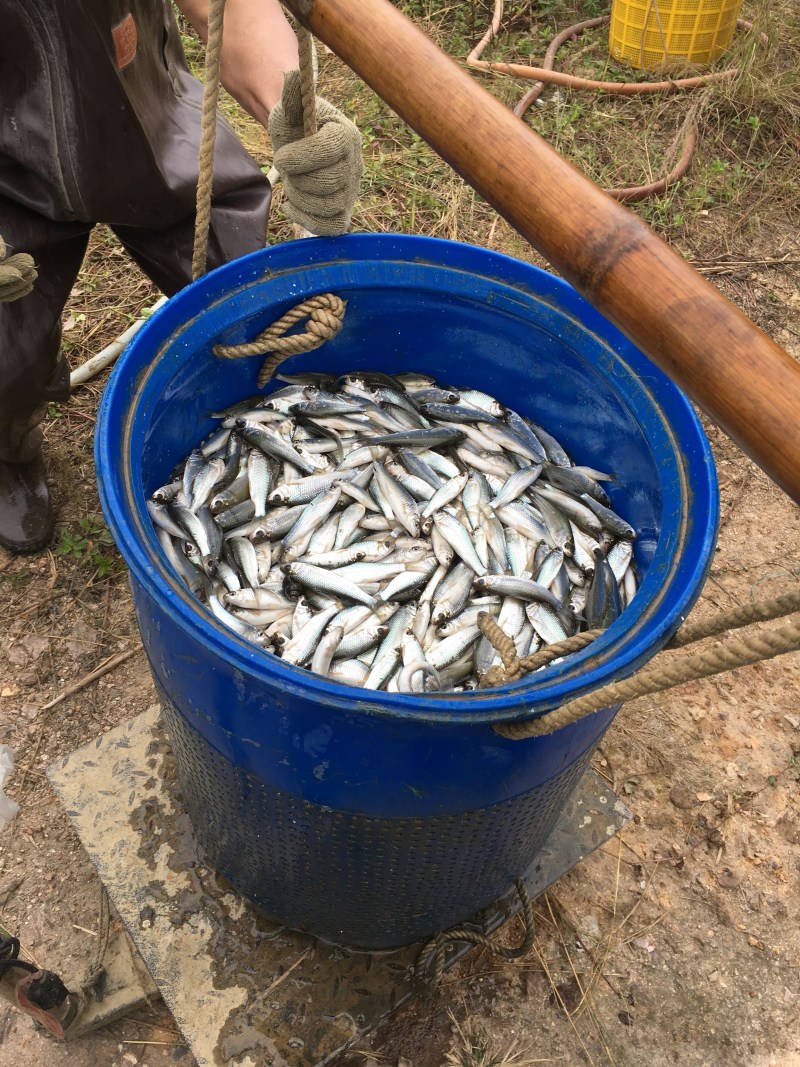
535 92
630 193
546 74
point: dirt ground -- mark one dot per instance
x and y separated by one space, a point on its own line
676 943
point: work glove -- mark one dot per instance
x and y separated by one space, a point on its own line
321 174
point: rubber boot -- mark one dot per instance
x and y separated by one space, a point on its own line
26 513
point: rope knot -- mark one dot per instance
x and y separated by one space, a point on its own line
432 957
17 274
325 314
504 645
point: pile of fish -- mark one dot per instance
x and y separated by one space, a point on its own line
358 525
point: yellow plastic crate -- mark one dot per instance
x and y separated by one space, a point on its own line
671 33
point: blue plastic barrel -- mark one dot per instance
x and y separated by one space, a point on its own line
375 819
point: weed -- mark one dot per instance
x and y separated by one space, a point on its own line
91 543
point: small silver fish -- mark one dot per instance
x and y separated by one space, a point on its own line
358 526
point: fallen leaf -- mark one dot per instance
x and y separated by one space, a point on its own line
16 655
793 720
81 642
34 645
68 323
566 996
727 879
703 797
683 798
644 943
674 858
753 898
11 886
9 691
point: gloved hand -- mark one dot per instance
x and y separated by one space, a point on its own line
321 174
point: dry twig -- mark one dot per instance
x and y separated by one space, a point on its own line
287 972
92 676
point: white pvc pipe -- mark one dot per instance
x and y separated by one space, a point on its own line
95 364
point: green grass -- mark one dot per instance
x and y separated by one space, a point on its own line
745 161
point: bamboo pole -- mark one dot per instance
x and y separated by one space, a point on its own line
738 375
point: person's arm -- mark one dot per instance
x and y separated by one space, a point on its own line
321 174
258 48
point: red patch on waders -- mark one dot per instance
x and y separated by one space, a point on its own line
125 37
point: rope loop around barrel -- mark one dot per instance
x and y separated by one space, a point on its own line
662 674
514 668
325 314
432 956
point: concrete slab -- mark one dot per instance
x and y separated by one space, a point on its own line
242 988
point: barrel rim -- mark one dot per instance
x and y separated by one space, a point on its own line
619 651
